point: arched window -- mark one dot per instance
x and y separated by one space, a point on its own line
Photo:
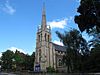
60 62
39 54
39 37
45 36
48 38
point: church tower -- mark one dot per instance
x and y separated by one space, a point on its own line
42 56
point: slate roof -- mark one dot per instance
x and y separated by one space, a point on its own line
59 47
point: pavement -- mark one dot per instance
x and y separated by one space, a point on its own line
2 73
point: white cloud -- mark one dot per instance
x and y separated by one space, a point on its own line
70 19
0 54
58 42
58 23
78 0
61 23
14 49
8 8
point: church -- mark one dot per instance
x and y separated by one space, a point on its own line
48 54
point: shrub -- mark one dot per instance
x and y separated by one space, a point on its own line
50 69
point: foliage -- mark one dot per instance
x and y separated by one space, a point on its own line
17 60
50 69
29 61
89 20
93 62
7 59
76 46
78 58
89 15
96 38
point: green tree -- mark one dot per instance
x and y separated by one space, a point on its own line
93 62
29 61
19 60
89 20
76 46
96 38
24 61
32 61
6 58
89 15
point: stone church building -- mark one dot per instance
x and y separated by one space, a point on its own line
47 53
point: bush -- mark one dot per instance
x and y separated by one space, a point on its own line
50 69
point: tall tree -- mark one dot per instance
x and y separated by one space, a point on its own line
6 58
29 61
89 20
75 46
19 60
89 15
96 38
93 62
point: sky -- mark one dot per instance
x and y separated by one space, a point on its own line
19 20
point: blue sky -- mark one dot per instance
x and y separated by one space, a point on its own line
19 20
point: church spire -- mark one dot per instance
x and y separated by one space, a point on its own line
43 17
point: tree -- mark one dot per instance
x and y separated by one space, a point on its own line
96 38
19 60
6 58
93 62
76 45
89 15
89 20
32 61
29 61
24 61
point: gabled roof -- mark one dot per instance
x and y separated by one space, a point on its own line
59 47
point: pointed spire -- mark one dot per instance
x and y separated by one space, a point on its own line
43 9
43 17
